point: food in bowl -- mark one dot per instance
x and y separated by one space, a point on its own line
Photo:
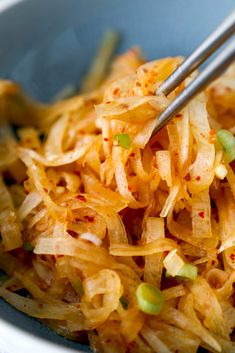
114 236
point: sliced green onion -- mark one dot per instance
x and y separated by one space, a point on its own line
124 302
227 140
3 278
78 287
173 263
123 140
188 271
149 298
176 267
28 246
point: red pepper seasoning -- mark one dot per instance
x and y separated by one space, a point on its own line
81 198
232 257
198 178
90 219
77 172
212 137
72 233
116 91
106 139
201 214
132 154
138 84
187 177
124 106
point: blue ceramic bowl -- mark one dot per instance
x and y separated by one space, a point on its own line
46 44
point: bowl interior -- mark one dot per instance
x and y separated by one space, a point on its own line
48 44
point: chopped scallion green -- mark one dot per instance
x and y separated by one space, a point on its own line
188 271
149 298
227 140
123 140
28 246
124 302
176 267
173 263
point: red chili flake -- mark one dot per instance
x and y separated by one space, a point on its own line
77 172
198 177
132 154
212 132
116 91
179 115
232 257
201 214
121 129
45 189
138 84
26 192
93 100
106 139
89 219
129 187
187 177
81 198
108 102
212 140
124 106
72 233
131 346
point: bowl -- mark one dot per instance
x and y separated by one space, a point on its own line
47 44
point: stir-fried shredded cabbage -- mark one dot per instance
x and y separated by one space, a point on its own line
90 208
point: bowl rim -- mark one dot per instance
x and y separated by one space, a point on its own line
23 341
6 4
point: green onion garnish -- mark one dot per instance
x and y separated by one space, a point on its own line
149 298
3 278
227 140
124 302
188 271
123 140
28 246
176 267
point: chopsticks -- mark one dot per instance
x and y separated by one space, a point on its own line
214 69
